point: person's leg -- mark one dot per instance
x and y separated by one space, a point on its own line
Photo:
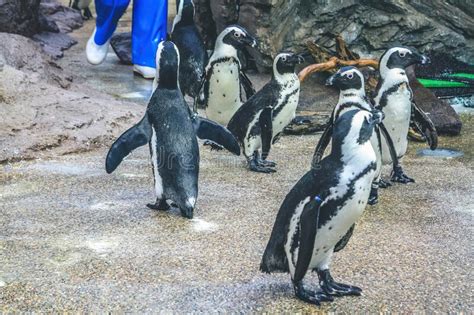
148 30
109 13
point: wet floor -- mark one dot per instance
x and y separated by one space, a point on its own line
74 238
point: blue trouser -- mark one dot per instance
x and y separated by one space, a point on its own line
148 26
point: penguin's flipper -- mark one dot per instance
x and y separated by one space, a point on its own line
323 143
424 124
266 130
135 137
209 130
391 146
344 240
247 84
308 226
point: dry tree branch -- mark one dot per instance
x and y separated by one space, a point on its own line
334 63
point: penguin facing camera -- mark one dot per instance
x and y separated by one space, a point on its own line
220 92
170 129
394 97
350 82
318 215
258 123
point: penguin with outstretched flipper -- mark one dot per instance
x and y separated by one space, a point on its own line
171 129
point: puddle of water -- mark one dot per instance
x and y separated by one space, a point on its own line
440 153
67 259
134 95
102 246
200 225
462 104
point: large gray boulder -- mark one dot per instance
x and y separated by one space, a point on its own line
368 26
20 17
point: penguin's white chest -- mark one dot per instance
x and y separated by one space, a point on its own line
347 214
397 121
285 110
224 92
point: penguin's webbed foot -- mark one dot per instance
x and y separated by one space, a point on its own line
399 176
334 288
384 184
374 196
187 213
255 166
160 204
214 146
313 297
266 163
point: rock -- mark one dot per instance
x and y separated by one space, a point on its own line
307 123
20 17
445 119
25 55
67 19
369 27
40 117
54 44
122 45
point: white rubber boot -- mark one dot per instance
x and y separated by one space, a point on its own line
144 71
96 53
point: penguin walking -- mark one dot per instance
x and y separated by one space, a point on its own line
192 51
82 5
317 216
221 88
258 122
350 82
394 98
170 129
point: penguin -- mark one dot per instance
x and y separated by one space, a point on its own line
350 82
82 5
221 88
170 129
259 122
317 216
394 97
193 54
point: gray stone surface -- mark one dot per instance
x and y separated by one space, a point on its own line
369 27
122 45
20 16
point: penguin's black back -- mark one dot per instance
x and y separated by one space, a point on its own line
193 57
177 146
267 96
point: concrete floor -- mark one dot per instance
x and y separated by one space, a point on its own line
73 238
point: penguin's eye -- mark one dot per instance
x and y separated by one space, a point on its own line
350 76
283 58
237 34
402 53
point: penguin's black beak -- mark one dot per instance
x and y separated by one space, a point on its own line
377 117
332 79
251 41
424 60
295 59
